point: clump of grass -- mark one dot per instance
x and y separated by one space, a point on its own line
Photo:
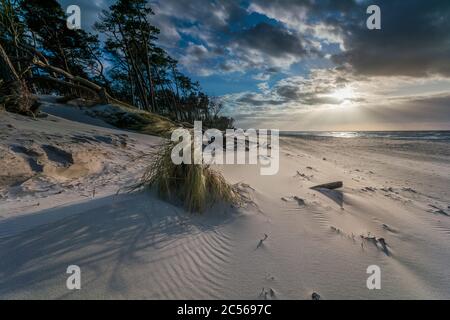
196 186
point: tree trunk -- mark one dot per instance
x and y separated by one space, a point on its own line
7 70
104 97
14 93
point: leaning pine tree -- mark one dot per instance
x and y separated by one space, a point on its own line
14 93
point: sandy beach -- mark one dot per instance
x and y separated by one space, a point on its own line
63 202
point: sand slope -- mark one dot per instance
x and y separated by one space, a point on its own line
136 246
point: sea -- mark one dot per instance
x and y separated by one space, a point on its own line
400 135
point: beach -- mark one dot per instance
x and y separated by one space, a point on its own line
63 201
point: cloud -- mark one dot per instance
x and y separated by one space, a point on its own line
220 25
293 94
214 14
169 34
334 91
202 20
321 48
421 113
195 57
321 20
414 40
271 40
262 76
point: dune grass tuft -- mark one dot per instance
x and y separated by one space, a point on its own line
196 186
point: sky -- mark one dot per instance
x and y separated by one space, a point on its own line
311 64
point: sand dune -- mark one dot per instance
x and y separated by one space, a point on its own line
59 206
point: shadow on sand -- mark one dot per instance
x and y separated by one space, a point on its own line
335 195
112 233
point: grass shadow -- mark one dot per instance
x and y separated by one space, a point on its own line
104 234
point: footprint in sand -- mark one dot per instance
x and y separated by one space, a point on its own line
58 156
30 155
299 200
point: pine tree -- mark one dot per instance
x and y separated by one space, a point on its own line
39 50
130 43
72 50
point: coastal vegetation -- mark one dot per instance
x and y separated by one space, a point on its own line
39 54
142 89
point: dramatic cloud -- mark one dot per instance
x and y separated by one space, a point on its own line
270 40
297 92
195 57
323 20
343 94
414 40
284 59
423 113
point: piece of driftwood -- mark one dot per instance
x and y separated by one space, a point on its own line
330 186
315 296
383 245
262 241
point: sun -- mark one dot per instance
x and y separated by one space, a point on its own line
344 95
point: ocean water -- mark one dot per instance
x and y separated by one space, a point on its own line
401 135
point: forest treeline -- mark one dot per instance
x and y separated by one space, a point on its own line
39 54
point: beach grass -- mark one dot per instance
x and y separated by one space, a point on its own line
197 186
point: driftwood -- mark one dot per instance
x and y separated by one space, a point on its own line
262 241
330 186
315 296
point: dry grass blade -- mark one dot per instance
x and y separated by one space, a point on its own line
197 186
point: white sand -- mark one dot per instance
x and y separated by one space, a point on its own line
136 246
